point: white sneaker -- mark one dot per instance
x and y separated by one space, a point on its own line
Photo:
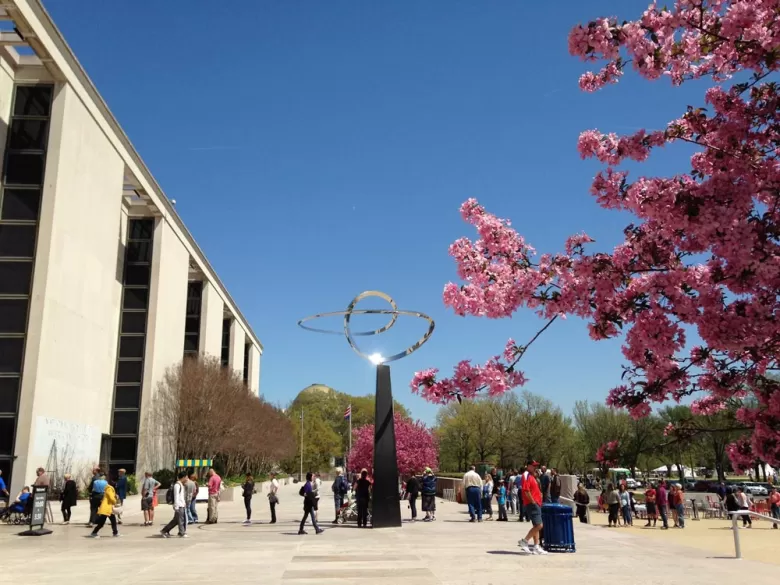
247 522
523 544
184 535
538 550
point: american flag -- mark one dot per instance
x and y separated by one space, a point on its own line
348 412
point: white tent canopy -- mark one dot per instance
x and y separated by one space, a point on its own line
687 471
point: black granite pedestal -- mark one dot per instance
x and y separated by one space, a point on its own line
386 503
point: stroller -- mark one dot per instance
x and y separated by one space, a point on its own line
348 512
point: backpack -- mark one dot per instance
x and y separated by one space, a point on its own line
343 486
300 491
169 495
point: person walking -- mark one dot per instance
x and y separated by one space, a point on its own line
744 502
190 494
582 499
105 511
363 496
68 497
215 488
121 491
511 500
309 502
472 484
532 508
650 504
316 484
613 504
179 504
412 491
662 502
774 505
501 499
487 496
555 486
679 505
247 491
148 487
273 496
429 495
98 488
340 489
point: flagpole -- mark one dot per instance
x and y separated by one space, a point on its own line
350 436
300 477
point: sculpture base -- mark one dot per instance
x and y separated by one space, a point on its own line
386 501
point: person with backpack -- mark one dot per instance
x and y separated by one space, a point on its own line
175 496
309 505
340 490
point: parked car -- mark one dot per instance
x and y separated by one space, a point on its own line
753 488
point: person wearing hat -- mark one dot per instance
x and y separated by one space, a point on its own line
532 508
501 497
429 495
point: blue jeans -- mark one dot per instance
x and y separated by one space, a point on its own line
664 515
681 515
192 513
474 500
627 515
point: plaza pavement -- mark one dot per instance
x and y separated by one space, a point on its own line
449 551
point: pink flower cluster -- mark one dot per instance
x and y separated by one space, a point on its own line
415 445
608 454
704 251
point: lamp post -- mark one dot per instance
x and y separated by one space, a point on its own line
300 475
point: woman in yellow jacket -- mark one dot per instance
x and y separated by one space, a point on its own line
106 510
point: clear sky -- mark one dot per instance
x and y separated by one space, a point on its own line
319 149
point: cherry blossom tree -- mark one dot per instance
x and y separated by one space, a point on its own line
702 254
415 447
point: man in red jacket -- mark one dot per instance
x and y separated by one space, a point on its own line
532 508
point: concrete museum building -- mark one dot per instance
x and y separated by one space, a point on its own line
101 285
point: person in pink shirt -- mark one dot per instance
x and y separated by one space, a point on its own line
215 486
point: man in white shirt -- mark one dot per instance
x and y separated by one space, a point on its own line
472 485
273 498
315 487
179 508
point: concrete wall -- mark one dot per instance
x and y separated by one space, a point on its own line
211 314
6 97
164 335
236 355
254 370
71 344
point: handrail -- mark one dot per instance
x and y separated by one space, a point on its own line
734 516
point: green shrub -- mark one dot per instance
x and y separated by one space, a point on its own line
132 485
166 477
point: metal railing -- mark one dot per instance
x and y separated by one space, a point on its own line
448 494
735 529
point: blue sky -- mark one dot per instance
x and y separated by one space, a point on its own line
320 149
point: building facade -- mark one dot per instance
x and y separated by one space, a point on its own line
102 288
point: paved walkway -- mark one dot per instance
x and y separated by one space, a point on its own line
449 551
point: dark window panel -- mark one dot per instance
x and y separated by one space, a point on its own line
17 241
9 395
136 275
123 449
141 229
125 422
132 346
133 322
13 315
129 372
7 437
15 277
191 343
127 397
28 134
21 204
24 169
135 298
113 469
11 350
192 325
33 100
5 467
139 251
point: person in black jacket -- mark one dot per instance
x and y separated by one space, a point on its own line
412 491
68 497
363 497
248 490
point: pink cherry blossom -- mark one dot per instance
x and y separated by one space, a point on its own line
702 252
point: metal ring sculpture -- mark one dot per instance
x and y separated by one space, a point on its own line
394 312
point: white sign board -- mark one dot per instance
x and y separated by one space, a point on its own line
80 440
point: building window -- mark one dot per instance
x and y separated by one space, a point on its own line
226 342
136 279
247 347
20 204
192 321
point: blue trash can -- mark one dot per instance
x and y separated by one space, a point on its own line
558 528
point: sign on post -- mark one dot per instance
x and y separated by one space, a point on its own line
38 515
